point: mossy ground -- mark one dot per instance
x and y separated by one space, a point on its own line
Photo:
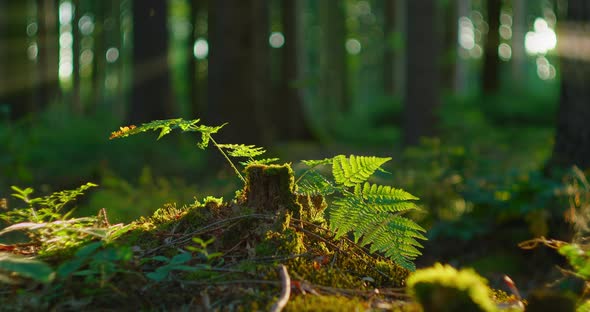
267 224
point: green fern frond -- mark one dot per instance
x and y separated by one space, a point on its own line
355 169
264 161
241 150
372 214
314 163
315 184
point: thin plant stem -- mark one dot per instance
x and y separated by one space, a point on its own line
227 158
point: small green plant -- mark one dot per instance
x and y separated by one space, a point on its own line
50 229
96 262
444 288
373 213
26 267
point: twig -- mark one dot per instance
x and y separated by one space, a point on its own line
285 292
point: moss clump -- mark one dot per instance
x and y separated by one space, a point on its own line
443 288
326 303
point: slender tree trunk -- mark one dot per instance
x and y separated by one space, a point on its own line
422 99
76 45
519 25
16 70
195 6
449 53
399 67
388 53
151 91
292 125
572 136
47 58
239 70
99 64
460 79
334 93
491 63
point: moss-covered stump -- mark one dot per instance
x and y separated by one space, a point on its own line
271 189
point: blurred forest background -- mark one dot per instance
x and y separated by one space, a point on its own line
479 102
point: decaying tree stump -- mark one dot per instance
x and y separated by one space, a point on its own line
270 189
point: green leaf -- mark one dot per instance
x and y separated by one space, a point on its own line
181 258
27 267
355 169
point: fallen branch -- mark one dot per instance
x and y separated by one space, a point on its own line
285 293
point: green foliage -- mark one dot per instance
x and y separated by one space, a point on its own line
373 213
96 262
26 267
180 261
444 288
42 209
227 150
355 169
49 228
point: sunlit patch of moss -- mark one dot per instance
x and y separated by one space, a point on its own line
326 303
444 288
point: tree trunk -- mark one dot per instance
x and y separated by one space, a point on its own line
239 70
519 26
293 124
449 52
422 98
76 46
190 60
16 70
572 138
48 57
491 62
388 53
98 62
334 93
151 90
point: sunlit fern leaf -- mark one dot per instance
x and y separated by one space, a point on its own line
314 163
315 184
265 161
372 214
206 132
353 170
241 150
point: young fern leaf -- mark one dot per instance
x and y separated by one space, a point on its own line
241 150
355 169
264 161
315 184
315 163
374 218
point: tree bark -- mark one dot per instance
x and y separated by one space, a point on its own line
16 70
151 91
239 70
98 62
293 125
334 93
572 138
388 53
422 98
491 62
76 104
48 57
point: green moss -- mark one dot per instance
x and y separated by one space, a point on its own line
443 288
326 303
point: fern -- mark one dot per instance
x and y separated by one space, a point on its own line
315 184
355 169
372 213
227 150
